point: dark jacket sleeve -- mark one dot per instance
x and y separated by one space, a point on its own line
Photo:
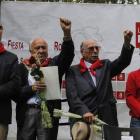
118 65
65 58
11 80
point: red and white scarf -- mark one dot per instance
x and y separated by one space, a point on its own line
95 65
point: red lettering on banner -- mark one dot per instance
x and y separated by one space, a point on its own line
57 46
121 77
113 79
21 59
137 34
63 84
114 93
120 95
15 45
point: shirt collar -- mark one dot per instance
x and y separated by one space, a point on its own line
87 64
44 61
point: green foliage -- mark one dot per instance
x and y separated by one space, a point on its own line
100 1
82 1
123 2
37 73
114 1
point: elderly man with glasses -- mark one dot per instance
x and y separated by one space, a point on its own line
88 84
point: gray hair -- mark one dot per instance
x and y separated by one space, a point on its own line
30 44
1 25
81 46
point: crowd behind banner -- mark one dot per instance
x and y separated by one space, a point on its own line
102 23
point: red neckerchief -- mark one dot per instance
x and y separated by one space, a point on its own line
42 65
2 49
95 65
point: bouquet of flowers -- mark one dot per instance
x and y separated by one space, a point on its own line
34 63
96 125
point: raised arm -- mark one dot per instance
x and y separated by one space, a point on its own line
127 38
65 58
66 27
125 57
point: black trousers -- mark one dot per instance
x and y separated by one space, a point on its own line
33 127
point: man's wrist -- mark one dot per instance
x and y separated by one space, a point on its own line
67 37
127 46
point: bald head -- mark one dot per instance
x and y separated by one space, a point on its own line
39 46
89 42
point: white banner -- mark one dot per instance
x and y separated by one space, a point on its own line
23 21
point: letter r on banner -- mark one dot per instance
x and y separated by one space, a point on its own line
137 34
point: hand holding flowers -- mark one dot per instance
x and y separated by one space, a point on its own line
38 86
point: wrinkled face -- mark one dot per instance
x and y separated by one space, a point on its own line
40 47
1 30
90 51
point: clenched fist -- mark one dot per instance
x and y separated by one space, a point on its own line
66 26
127 38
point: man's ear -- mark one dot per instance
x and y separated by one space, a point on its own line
30 52
82 52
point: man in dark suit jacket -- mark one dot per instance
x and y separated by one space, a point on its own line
29 119
9 86
88 84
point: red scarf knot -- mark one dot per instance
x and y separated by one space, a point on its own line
2 49
26 61
95 65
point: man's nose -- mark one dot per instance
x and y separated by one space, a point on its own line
40 50
95 50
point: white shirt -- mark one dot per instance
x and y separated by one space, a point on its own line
88 66
31 81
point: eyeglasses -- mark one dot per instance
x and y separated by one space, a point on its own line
92 48
38 47
1 27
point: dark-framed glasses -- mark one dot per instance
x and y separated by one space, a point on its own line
1 27
92 48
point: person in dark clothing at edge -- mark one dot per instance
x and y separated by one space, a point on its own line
9 85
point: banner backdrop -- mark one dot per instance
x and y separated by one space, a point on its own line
23 21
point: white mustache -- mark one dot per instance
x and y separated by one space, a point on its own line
40 55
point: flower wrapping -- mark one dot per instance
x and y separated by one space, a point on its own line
96 125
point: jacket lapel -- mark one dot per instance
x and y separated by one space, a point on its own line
87 76
24 73
98 75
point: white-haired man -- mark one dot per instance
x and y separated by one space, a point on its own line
28 111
